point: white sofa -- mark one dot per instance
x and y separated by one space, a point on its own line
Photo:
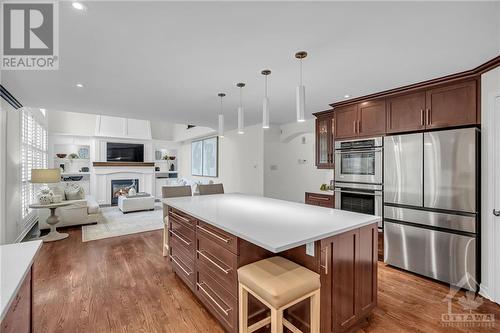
84 211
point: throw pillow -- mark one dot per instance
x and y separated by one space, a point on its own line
74 192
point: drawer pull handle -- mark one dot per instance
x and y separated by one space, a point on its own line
225 240
325 266
226 311
226 271
182 239
319 198
182 218
178 264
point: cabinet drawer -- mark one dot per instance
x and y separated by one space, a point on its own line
323 200
184 235
183 218
224 239
18 317
221 263
218 301
182 263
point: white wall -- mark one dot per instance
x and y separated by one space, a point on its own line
71 123
240 161
12 227
289 162
490 250
3 149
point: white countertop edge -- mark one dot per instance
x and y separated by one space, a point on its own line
282 248
7 305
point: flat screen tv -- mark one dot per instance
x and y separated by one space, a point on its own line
125 152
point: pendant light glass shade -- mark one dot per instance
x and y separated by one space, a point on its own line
301 90
301 103
221 126
221 116
265 102
265 112
241 120
241 112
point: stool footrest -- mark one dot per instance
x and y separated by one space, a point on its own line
291 326
259 324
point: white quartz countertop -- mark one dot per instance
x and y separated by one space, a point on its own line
15 262
275 225
327 192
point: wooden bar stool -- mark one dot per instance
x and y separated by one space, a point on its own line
278 283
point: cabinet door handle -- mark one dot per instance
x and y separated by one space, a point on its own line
359 126
428 116
496 212
226 271
226 311
421 117
182 239
182 218
354 124
178 264
325 266
313 197
225 240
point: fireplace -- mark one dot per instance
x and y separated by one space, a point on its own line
121 187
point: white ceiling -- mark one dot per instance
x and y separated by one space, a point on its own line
168 60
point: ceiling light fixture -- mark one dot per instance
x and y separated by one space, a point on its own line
347 96
241 113
79 85
301 90
78 5
265 103
221 116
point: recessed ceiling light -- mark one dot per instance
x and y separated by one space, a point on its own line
78 5
79 85
347 96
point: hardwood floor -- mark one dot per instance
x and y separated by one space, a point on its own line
124 284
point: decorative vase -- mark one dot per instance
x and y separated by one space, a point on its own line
45 199
132 191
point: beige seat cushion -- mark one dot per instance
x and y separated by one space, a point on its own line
278 281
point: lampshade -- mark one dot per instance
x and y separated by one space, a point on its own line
45 176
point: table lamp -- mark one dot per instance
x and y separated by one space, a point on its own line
45 176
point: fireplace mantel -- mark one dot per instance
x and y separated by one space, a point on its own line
124 164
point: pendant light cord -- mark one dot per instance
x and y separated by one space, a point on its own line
221 110
241 97
301 71
265 87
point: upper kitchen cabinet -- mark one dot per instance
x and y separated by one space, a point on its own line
325 129
360 120
371 118
346 122
451 105
406 113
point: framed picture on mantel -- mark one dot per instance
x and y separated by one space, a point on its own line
205 157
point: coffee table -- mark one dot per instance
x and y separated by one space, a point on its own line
52 220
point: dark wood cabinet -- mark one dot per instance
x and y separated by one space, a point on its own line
371 118
406 113
318 199
348 278
346 122
325 131
452 105
360 120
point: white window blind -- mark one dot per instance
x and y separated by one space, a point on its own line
33 156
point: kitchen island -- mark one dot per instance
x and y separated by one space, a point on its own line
211 236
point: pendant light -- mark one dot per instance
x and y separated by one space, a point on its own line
241 114
221 116
265 103
301 90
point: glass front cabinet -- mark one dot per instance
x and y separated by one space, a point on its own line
325 132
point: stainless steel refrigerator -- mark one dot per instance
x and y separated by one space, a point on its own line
431 203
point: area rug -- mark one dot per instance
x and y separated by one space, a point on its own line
113 223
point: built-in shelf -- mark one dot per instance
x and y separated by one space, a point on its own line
86 160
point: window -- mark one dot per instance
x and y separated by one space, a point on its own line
204 157
33 156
